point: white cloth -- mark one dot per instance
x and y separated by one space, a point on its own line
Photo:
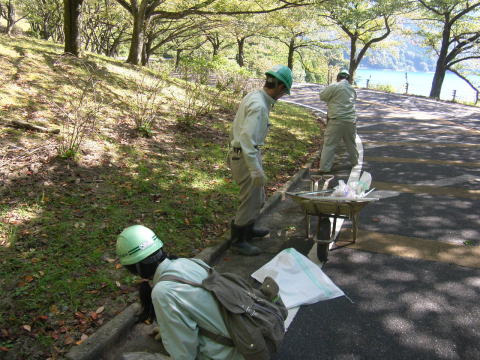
300 280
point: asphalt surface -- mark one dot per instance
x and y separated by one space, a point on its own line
423 159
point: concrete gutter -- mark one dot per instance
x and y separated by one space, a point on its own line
107 336
113 331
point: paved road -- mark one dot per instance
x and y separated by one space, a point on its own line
426 155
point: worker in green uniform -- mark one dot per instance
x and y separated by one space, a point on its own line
341 120
247 135
185 314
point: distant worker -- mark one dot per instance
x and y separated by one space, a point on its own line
247 135
188 317
341 120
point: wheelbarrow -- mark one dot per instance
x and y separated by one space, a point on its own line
322 204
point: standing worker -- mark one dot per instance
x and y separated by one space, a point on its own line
247 135
188 317
341 120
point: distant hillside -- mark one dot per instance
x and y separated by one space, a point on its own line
404 55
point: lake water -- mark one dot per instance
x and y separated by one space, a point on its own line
419 83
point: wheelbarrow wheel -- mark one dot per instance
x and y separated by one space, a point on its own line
322 251
323 237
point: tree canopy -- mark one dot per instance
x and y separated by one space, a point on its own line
310 36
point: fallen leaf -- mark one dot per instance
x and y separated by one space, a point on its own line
93 315
27 327
28 278
79 315
54 309
118 284
43 317
118 266
3 348
82 339
68 340
100 309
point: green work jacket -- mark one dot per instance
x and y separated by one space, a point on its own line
182 308
340 98
250 126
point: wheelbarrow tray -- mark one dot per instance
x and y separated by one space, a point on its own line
320 203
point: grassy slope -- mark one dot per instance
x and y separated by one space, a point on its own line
59 218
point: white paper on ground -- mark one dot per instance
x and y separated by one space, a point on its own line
301 281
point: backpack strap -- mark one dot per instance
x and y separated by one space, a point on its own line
180 280
216 337
202 331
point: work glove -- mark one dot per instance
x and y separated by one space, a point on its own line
258 177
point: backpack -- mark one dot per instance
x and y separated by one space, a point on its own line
254 317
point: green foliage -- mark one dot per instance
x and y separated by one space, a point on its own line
363 23
147 102
78 115
383 87
45 18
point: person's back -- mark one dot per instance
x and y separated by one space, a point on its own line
181 309
341 121
340 98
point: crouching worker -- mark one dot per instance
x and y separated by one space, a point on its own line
188 317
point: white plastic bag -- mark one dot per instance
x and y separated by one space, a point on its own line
300 280
364 182
344 190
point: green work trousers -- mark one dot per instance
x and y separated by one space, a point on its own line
252 197
337 131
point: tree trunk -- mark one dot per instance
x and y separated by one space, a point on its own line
45 33
353 58
177 58
138 35
216 48
147 51
441 66
291 49
240 55
437 81
72 23
10 17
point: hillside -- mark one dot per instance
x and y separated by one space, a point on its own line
60 211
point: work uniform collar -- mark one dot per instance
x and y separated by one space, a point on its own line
161 268
268 99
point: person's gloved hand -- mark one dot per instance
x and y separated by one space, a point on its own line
258 177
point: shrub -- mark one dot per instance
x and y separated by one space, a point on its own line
78 113
383 87
147 102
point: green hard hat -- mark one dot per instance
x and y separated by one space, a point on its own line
283 74
136 243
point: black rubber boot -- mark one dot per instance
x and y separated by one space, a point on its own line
260 231
235 232
240 236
